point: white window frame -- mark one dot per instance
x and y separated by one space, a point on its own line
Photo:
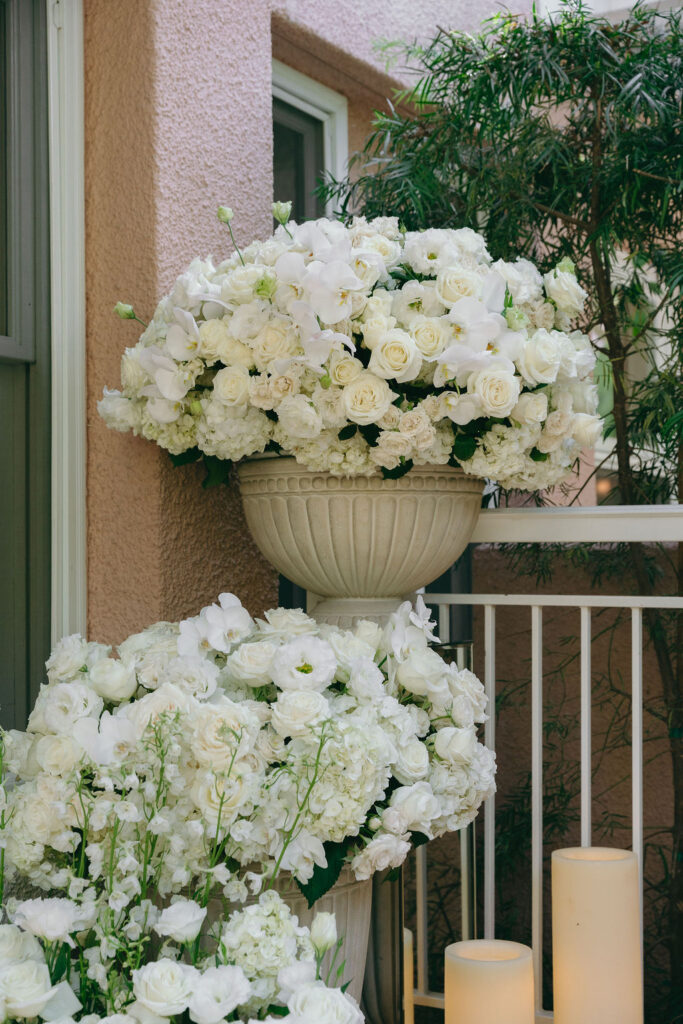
326 105
67 283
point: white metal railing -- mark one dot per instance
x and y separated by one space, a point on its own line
664 524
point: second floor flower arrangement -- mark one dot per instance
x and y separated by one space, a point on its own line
365 349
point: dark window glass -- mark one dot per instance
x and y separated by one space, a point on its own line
298 160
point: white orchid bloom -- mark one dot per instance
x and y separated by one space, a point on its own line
162 410
474 325
218 626
318 344
329 290
322 240
183 341
421 617
172 380
109 742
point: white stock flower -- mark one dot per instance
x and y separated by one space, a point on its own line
182 921
164 987
217 992
522 279
586 429
306 663
61 705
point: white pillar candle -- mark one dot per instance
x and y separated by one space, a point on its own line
597 964
488 981
408 978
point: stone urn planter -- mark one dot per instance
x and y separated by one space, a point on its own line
360 543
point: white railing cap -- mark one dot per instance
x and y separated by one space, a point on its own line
576 525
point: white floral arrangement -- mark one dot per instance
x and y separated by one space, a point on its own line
363 349
72 958
235 749
153 791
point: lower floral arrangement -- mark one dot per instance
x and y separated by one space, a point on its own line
160 792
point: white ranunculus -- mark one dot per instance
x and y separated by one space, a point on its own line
16 946
113 680
384 851
250 663
497 389
52 919
182 921
217 991
298 417
165 987
456 746
307 663
316 1002
296 712
231 385
531 407
540 360
367 398
565 291
453 283
25 988
323 931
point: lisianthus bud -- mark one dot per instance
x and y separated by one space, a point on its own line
516 318
124 310
323 932
225 214
282 212
567 265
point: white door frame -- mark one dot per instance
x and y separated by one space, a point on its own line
67 296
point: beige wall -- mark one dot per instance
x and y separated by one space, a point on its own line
177 120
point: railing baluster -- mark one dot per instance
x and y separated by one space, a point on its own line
465 883
586 727
490 741
421 916
637 739
537 799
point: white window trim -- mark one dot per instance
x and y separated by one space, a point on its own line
326 105
67 282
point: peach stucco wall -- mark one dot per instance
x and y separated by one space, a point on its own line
177 120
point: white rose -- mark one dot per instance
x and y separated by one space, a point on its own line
26 988
366 399
286 622
166 699
219 798
277 340
113 680
165 987
182 921
344 368
307 663
316 1002
298 417
412 763
250 663
323 931
497 389
375 327
384 851
586 429
422 667
565 291
231 385
369 632
413 808
218 730
218 991
456 746
431 334
453 283
396 357
296 711
17 946
218 343
540 360
57 755
531 407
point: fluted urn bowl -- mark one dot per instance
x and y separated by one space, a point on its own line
359 537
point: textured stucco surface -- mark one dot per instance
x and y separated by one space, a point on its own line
178 120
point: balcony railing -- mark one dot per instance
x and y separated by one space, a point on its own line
532 525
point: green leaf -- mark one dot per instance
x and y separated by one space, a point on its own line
464 447
191 455
278 1011
217 471
370 433
538 456
401 470
323 879
346 433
